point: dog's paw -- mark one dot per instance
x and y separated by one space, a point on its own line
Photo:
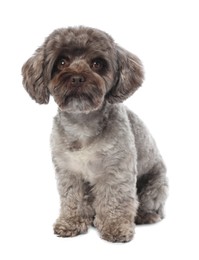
115 230
147 217
70 227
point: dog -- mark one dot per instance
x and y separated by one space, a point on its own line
109 171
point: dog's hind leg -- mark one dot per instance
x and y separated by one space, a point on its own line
152 190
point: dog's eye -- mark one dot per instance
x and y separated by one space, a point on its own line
63 62
98 64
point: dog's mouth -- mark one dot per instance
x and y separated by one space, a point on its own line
81 103
78 93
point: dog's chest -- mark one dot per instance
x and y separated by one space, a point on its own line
85 162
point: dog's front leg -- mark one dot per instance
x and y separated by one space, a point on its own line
115 206
75 213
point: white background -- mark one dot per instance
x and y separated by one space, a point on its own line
165 35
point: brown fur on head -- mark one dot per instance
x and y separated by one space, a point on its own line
81 67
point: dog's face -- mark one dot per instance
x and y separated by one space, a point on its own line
81 68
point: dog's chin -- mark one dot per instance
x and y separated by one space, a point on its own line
81 104
83 99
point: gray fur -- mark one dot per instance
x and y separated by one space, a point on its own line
109 171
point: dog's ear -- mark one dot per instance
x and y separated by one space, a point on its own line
130 76
34 79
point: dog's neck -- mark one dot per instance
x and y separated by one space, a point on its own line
82 128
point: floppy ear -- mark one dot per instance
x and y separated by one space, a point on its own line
33 77
130 76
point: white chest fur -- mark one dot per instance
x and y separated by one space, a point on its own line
81 162
86 162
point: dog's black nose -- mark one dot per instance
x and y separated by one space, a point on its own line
77 80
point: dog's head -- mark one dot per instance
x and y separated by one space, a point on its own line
81 68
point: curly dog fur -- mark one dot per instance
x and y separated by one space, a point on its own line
109 171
